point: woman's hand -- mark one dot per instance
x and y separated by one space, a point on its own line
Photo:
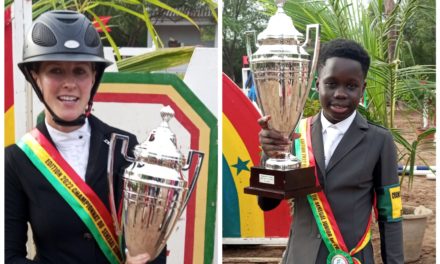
138 259
272 142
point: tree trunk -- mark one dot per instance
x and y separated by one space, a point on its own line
392 35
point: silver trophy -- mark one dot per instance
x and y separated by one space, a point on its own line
154 190
283 72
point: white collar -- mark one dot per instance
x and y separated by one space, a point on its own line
341 126
79 135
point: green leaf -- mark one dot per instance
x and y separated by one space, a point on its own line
157 60
156 39
169 8
213 7
425 134
8 3
121 8
109 38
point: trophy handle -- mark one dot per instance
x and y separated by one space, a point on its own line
110 160
196 173
315 52
248 35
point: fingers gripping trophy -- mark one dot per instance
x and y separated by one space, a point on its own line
283 72
154 191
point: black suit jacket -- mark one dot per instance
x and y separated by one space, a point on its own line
59 234
364 160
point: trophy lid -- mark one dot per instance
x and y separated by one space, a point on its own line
161 144
280 27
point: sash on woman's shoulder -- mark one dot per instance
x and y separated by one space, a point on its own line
83 200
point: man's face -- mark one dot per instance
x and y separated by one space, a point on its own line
340 85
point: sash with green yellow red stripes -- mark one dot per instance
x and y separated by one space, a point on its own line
74 190
321 209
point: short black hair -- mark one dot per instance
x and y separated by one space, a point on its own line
344 48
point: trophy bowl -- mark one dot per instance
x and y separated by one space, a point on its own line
155 192
282 91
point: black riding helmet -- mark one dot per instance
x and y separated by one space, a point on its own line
63 36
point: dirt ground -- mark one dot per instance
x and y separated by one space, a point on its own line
421 193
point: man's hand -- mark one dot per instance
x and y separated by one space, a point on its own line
272 142
138 259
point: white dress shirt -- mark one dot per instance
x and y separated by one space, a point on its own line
73 146
333 133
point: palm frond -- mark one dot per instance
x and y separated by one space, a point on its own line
157 60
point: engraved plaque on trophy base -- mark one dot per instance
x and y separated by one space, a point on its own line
282 184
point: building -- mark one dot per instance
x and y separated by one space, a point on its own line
175 31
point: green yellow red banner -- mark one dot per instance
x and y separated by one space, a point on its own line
74 190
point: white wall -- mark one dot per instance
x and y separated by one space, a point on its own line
202 77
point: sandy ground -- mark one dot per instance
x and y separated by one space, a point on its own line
421 193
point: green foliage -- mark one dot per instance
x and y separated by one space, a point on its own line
419 32
157 60
408 157
207 33
8 3
311 107
239 16
131 15
418 94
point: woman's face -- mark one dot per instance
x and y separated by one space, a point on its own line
66 87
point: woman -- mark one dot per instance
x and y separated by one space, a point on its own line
55 176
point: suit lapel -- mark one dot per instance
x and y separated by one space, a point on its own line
41 126
351 139
97 153
317 143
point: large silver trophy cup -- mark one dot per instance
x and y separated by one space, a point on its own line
154 190
283 72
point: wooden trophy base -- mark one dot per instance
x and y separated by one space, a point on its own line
282 184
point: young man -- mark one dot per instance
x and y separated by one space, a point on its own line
356 166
